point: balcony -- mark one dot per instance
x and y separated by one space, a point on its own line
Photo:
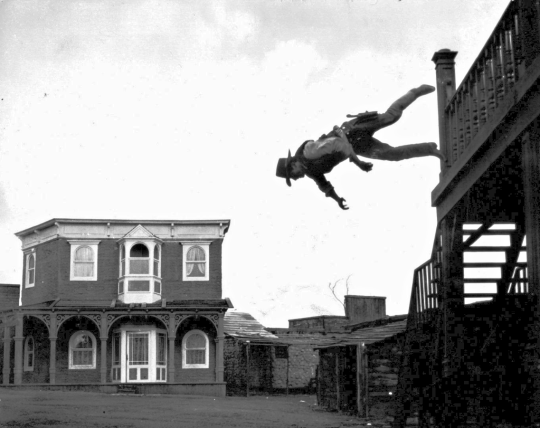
495 103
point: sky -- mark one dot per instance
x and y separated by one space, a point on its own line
180 109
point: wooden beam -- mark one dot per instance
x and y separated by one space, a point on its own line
474 236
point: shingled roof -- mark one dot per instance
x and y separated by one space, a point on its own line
242 325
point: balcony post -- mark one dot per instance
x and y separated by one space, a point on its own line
452 291
531 190
446 87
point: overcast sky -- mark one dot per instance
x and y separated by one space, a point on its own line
180 109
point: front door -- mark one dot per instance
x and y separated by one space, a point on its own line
138 364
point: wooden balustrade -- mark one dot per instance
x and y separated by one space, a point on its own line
490 80
424 298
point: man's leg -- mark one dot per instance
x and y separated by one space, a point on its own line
395 110
382 151
387 118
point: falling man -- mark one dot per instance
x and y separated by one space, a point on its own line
353 138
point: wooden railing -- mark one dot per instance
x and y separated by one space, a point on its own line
424 298
490 80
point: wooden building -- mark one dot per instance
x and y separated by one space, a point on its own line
358 371
110 303
472 347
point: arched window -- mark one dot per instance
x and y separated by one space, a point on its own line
83 262
196 262
139 260
156 261
29 354
30 270
82 351
195 350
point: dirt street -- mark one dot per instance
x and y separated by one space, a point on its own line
19 408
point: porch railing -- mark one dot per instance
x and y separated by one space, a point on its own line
502 62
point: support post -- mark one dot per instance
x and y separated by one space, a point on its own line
172 338
446 87
103 333
18 338
531 187
219 349
360 381
6 371
287 379
53 331
338 395
247 368
453 301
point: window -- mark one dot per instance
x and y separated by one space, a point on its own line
122 260
30 270
282 352
195 350
29 354
116 362
156 261
84 260
196 261
139 260
82 351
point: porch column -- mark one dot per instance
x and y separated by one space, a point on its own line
18 338
52 340
219 349
7 355
531 190
103 337
170 364
172 337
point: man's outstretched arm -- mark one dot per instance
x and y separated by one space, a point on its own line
326 187
341 201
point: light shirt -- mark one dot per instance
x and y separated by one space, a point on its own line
317 149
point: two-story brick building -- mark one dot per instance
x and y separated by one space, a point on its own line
110 302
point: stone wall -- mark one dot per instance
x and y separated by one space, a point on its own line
268 368
303 361
383 362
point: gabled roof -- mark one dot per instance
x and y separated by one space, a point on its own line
139 232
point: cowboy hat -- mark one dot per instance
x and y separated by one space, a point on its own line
283 168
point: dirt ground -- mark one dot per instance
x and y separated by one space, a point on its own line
24 409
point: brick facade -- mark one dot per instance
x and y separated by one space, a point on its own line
53 259
56 308
9 296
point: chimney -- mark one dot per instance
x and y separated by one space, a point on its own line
364 308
